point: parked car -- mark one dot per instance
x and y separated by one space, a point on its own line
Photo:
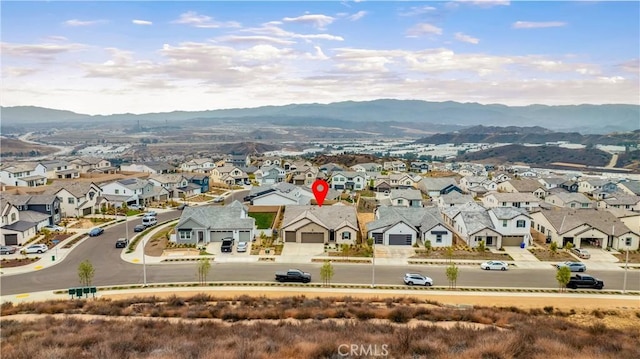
54 228
139 228
585 281
7 250
242 247
122 243
219 199
293 275
581 253
227 245
95 231
417 279
573 266
499 265
134 206
150 214
36 248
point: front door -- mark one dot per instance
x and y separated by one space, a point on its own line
200 236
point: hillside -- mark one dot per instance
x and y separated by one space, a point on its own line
11 147
582 118
538 155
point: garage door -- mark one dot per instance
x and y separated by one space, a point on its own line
216 236
511 241
399 239
290 236
86 211
312 237
11 239
244 236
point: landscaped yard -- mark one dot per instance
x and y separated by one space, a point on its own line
461 254
634 256
157 244
547 255
264 220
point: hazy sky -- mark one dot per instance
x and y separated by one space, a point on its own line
155 56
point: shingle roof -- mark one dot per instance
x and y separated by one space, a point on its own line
410 194
78 189
526 185
437 183
633 186
564 219
514 197
331 217
20 226
508 212
218 217
572 197
424 218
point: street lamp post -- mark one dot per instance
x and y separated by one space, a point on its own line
626 267
373 266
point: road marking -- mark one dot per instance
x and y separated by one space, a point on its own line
22 295
37 267
135 260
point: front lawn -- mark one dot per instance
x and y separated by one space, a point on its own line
264 220
461 254
634 256
547 255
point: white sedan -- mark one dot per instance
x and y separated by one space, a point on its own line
498 265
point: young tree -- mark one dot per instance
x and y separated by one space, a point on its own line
452 275
204 266
481 246
427 246
554 247
563 275
568 246
86 272
326 273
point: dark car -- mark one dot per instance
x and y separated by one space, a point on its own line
122 243
227 245
96 231
139 228
293 275
585 281
8 250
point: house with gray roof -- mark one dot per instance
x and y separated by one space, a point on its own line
434 187
569 199
630 187
320 224
77 199
620 200
13 230
367 167
527 201
406 197
348 180
60 169
137 191
453 199
472 223
585 228
23 174
153 167
593 185
523 185
409 225
270 174
205 224
49 205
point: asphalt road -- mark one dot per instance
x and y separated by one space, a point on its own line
111 270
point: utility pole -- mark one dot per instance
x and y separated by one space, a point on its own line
626 267
373 266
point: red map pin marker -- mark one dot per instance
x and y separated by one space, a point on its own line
320 189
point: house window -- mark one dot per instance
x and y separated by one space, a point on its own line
504 222
91 194
400 201
48 207
185 235
117 191
478 238
13 217
627 242
521 223
438 238
573 205
346 235
504 204
71 200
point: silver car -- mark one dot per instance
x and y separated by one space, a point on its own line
242 247
417 279
573 266
36 248
498 265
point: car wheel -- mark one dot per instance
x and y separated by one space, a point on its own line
487 268
39 252
410 283
428 284
503 268
581 270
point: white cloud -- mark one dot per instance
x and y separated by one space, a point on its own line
423 29
316 20
417 10
537 25
141 22
255 39
202 21
76 22
486 3
56 38
11 71
357 16
466 38
43 51
631 66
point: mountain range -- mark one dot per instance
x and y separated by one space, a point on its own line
572 118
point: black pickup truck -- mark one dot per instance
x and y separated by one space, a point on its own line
293 275
585 281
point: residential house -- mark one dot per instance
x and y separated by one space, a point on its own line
48 205
271 161
407 226
240 161
329 168
630 187
452 199
523 185
229 175
385 183
620 200
396 166
585 228
59 169
14 231
436 186
570 186
469 182
348 180
153 167
500 176
199 179
569 200
527 201
552 182
406 197
77 199
473 224
205 224
305 175
133 191
420 167
630 219
201 165
270 174
172 182
92 164
23 174
314 224
367 167
514 225
596 187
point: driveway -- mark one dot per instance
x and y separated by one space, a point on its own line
599 255
383 251
302 249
